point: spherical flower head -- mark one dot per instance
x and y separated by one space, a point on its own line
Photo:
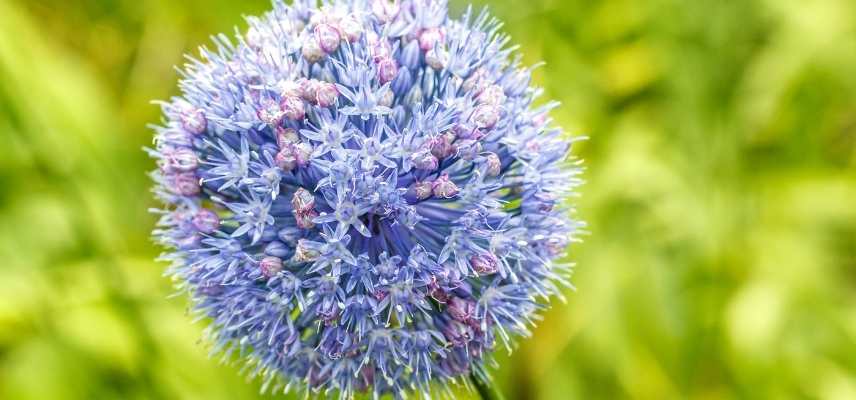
363 197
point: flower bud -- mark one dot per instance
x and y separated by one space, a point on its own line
461 310
437 58
429 38
387 69
350 28
444 188
420 190
180 159
269 112
410 56
327 37
468 149
289 88
492 95
441 145
423 159
326 94
278 249
286 137
286 158
292 108
312 51
193 120
302 153
302 201
270 266
308 88
185 184
485 116
493 164
385 10
304 252
206 221
484 263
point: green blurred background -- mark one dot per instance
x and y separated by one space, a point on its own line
721 198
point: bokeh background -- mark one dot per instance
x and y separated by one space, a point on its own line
721 198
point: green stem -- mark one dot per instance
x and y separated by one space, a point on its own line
487 391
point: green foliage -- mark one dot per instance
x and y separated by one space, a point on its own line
720 196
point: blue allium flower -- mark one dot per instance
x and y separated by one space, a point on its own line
362 196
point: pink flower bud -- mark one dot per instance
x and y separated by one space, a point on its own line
484 263
185 184
485 116
305 219
421 190
326 94
492 95
423 159
385 10
286 137
350 28
312 51
181 159
206 221
429 38
327 37
270 266
441 145
269 112
292 107
437 58
444 188
461 310
193 120
302 200
387 69
289 88
493 164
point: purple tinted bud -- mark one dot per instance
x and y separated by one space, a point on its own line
185 184
270 266
437 58
179 160
326 94
458 334
492 95
289 89
306 219
193 120
206 221
289 235
387 69
312 51
270 112
468 149
304 252
292 108
461 310
327 37
485 116
308 89
444 188
484 263
493 164
286 159
420 190
429 38
441 145
286 137
302 201
423 159
385 10
302 153
350 28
